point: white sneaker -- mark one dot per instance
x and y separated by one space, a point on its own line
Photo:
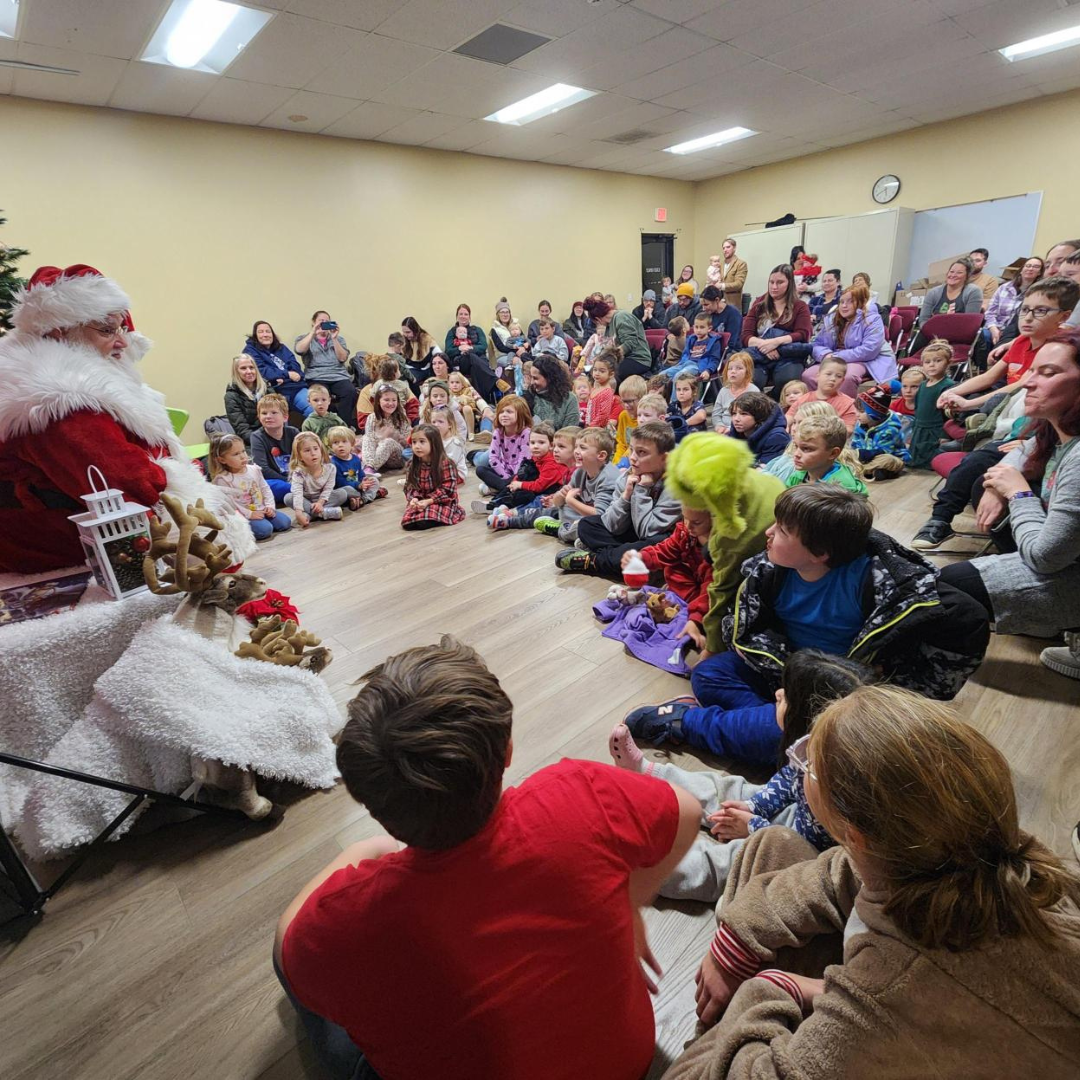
485 490
1060 658
331 513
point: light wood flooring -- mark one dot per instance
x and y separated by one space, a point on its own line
154 963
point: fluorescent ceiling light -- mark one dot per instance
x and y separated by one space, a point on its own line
1060 39
203 35
732 134
9 16
544 103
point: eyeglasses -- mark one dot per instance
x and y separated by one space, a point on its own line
1037 312
796 754
106 331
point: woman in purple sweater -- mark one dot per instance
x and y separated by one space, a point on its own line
853 331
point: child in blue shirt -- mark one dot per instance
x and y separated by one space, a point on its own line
686 413
702 355
878 437
360 487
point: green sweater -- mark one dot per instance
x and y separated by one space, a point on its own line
838 474
727 553
321 425
568 414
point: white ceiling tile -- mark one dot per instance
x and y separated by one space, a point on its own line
91 26
729 19
676 46
369 120
292 50
234 102
640 116
556 18
371 65
1001 24
717 60
442 24
321 110
1061 85
157 88
676 11
418 129
363 15
97 78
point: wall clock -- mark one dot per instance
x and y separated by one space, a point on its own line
886 188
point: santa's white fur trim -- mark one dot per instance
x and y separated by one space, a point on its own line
72 301
184 481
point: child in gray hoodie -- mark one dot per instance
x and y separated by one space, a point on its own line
643 512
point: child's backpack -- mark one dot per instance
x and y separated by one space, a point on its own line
217 425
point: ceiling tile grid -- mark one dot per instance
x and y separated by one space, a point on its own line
806 74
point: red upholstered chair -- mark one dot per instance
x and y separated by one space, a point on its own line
908 317
656 339
955 429
895 331
958 330
943 465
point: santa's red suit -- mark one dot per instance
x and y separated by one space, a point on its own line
64 407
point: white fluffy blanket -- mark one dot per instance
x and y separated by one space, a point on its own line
172 694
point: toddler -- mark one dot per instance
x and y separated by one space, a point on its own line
831 374
602 399
756 418
313 493
442 419
395 347
271 444
246 485
582 391
564 451
737 380
904 405
321 419
675 342
686 411
793 390
386 433
703 352
431 484
631 390
821 440
878 437
472 407
929 423
715 273
539 474
667 291
650 408
359 486
509 445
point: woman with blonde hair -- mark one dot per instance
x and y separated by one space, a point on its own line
242 396
954 935
854 332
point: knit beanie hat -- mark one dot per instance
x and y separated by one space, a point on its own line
877 400
685 289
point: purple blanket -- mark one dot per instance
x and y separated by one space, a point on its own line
660 646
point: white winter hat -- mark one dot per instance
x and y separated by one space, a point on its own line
57 299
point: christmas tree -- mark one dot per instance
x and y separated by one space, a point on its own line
9 280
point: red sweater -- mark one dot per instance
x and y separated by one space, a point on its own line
552 474
687 571
797 322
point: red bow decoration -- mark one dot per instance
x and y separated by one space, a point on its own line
273 603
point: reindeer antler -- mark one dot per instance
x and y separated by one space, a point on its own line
182 575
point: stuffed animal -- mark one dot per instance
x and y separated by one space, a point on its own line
661 607
625 596
283 643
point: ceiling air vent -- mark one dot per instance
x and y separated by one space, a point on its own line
500 44
629 138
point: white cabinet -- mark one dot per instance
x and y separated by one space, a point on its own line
877 243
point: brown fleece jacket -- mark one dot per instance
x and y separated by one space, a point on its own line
893 1010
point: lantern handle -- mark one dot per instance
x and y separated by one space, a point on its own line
90 480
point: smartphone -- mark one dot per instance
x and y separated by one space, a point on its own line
328 326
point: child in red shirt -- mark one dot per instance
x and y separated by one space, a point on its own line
539 474
503 938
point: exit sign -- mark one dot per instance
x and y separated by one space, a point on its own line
660 213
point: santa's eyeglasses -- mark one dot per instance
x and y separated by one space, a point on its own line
105 330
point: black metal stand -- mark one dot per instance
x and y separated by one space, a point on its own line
30 897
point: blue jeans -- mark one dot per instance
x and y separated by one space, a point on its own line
482 458
280 488
486 424
737 711
298 401
264 528
337 1053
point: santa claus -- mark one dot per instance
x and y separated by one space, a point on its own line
72 397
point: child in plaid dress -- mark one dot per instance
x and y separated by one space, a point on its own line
430 483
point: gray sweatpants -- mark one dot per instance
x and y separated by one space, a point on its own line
337 497
524 519
703 870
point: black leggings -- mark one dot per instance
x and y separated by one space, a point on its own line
964 576
487 475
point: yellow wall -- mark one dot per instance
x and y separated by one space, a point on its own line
211 226
1033 146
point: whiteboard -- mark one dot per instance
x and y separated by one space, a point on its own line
1006 227
762 249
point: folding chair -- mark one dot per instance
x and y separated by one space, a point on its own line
943 465
958 330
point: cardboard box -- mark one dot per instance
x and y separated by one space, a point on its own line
909 298
1014 268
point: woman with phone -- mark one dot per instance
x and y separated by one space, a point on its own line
324 355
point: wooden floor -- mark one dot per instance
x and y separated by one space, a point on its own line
154 963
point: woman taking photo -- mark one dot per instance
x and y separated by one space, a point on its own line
278 366
626 331
854 332
242 395
550 395
420 347
953 937
1035 490
775 332
468 354
326 354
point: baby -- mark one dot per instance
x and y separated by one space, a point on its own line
715 272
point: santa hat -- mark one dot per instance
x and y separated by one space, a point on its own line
57 299
877 399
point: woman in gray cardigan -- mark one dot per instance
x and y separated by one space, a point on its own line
956 296
1036 588
324 354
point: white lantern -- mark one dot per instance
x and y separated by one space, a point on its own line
115 535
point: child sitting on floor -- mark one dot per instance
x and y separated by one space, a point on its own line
314 493
430 484
538 474
904 405
643 512
631 390
686 413
582 391
247 487
757 419
272 442
929 426
436 395
602 400
386 433
385 371
321 419
828 581
351 478
442 419
564 451
509 445
821 441
732 807
878 437
831 374
783 466
737 380
652 407
793 390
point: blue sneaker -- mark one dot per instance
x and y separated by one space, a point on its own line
659 723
